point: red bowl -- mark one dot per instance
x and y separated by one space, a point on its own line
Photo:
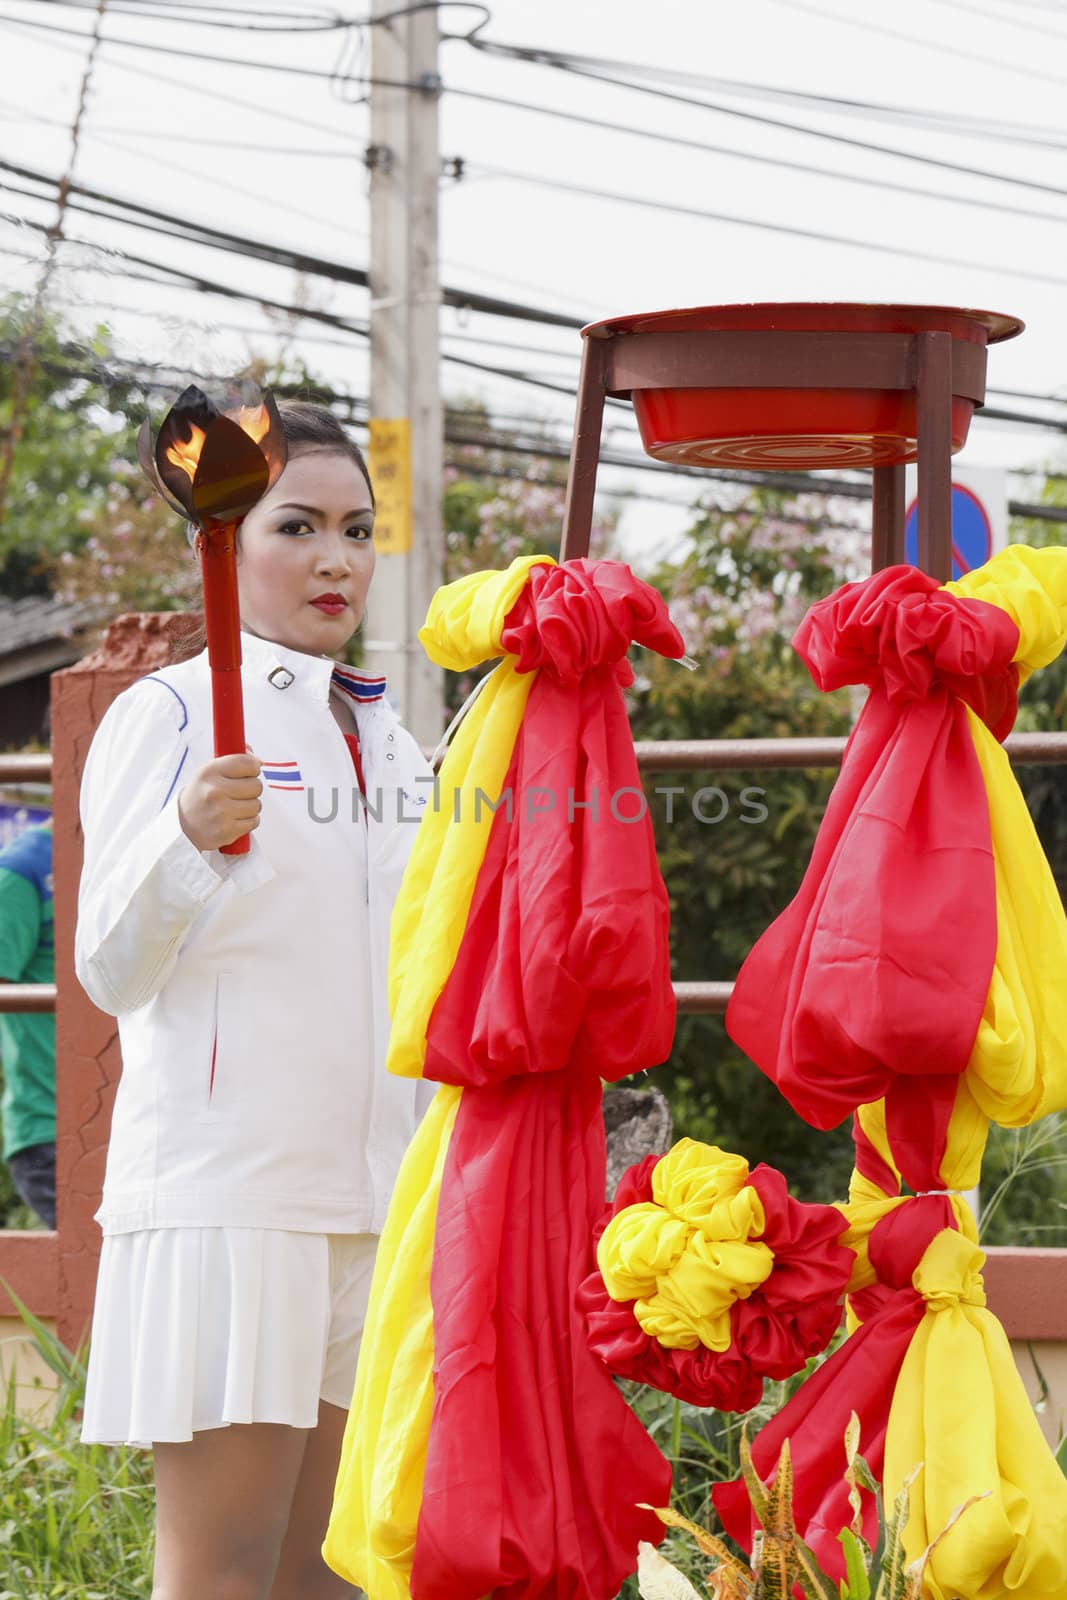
796 427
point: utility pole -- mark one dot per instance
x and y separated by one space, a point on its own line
406 449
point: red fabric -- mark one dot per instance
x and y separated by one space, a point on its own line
861 1376
791 1316
352 741
900 629
565 956
535 1463
879 968
917 1114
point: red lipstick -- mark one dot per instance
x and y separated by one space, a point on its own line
331 604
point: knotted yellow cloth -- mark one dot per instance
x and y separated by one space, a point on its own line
960 1408
690 1254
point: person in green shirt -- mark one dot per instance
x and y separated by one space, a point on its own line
28 1040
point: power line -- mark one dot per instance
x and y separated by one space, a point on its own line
942 121
162 11
174 11
1029 394
288 208
272 200
198 281
171 225
956 50
995 414
1007 22
270 330
456 434
274 113
1038 5
287 68
754 156
699 505
544 58
675 209
12 113
561 63
213 286
837 105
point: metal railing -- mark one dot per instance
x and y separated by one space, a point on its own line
653 755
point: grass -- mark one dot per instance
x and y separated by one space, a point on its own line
1024 1184
74 1519
78 1519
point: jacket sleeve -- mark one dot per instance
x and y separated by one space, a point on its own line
143 883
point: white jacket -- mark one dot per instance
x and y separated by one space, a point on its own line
251 990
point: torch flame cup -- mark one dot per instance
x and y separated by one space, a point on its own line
212 466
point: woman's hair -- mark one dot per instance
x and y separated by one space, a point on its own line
307 426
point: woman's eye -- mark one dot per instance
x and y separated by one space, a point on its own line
361 533
297 526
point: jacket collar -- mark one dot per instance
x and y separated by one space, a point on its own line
285 668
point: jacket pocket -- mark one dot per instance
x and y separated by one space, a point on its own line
216 1060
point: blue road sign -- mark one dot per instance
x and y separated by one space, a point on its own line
972 536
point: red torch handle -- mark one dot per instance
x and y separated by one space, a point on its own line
222 620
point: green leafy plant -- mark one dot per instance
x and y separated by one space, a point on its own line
74 1518
781 1562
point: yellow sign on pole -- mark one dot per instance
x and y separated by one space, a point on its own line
389 460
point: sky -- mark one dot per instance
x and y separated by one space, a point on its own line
734 215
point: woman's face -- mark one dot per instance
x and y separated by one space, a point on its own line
305 555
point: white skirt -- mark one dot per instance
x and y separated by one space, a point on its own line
196 1328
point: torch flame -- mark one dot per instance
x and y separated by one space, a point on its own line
187 456
255 421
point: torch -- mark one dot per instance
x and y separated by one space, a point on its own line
212 466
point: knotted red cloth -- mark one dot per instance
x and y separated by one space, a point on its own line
876 974
535 1463
792 1315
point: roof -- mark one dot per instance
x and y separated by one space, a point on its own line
39 619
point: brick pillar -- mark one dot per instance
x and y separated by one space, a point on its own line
87 1053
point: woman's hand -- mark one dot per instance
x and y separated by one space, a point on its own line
221 801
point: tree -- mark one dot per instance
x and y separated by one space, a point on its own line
74 427
733 846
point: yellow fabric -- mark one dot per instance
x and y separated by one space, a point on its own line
689 1256
463 627
640 1245
1018 1067
466 619
371 1536
699 1182
1031 586
960 1408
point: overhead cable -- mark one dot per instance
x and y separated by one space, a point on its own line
630 199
